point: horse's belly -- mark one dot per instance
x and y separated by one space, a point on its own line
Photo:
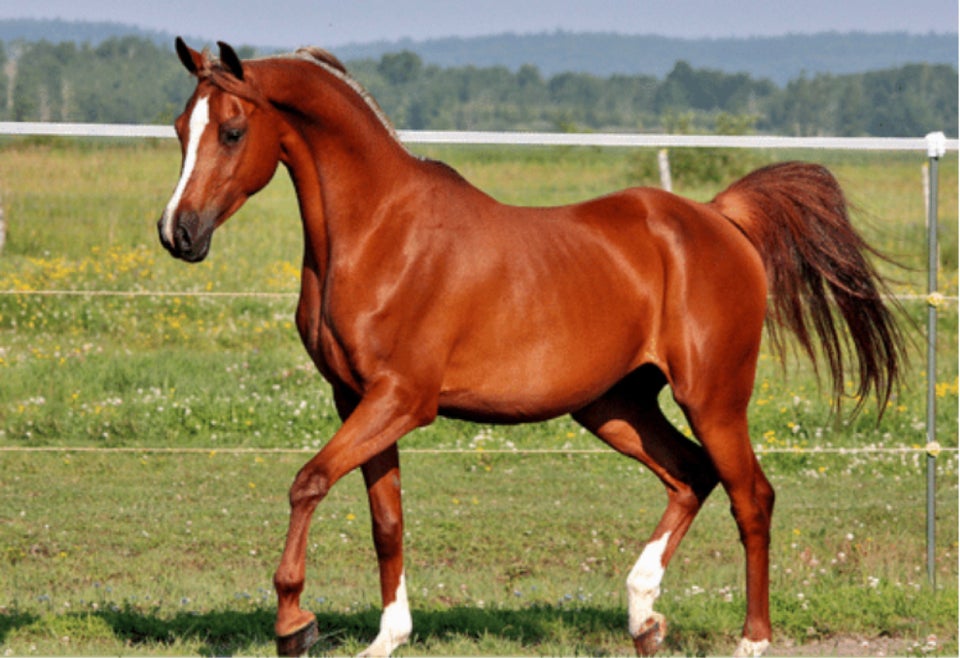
539 380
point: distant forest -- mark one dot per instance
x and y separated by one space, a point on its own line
778 58
132 79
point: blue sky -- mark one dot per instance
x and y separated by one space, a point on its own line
291 23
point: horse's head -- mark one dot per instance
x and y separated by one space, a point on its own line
231 147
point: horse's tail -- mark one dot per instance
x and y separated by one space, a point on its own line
796 216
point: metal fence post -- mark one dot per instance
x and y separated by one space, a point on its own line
936 148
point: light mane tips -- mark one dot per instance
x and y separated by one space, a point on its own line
322 55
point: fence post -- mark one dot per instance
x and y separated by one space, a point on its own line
663 163
936 148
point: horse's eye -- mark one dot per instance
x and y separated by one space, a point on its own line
231 136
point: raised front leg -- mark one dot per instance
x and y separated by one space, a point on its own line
382 477
381 418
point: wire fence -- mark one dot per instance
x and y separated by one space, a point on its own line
240 294
937 300
760 450
934 145
490 138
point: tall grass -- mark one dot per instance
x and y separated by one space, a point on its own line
147 552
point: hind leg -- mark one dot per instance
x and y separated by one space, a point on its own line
724 436
751 503
629 419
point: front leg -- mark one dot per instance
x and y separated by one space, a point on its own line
382 477
383 416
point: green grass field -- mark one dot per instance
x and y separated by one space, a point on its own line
166 543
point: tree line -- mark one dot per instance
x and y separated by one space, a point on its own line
133 80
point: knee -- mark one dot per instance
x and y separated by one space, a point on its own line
309 488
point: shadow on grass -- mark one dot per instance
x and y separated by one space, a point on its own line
11 621
227 633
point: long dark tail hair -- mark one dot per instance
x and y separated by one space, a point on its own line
796 216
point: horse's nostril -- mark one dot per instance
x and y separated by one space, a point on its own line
183 239
189 237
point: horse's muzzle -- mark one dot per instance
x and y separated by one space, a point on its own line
189 238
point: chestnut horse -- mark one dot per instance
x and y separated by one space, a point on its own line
422 296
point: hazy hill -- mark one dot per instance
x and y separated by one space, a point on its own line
56 31
776 58
80 32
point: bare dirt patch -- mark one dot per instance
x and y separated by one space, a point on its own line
850 645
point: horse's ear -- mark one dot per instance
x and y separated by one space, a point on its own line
192 60
228 57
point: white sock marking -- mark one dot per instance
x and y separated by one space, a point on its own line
395 624
751 648
643 583
199 118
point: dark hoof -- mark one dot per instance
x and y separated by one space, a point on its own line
651 635
299 642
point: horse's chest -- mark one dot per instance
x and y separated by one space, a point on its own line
321 341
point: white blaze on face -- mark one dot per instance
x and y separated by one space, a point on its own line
395 624
199 118
643 583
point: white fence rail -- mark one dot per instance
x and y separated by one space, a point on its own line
523 138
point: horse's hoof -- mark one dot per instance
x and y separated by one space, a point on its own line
651 635
299 642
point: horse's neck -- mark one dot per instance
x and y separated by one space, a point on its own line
354 154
